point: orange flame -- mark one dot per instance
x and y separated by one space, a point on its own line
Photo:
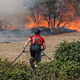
72 24
13 27
33 24
9 27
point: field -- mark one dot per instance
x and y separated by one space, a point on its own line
13 49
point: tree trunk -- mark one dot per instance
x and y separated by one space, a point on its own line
54 19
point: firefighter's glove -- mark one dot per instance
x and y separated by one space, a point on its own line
23 49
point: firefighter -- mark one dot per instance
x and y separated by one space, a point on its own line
37 45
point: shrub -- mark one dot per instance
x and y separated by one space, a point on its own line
65 66
67 56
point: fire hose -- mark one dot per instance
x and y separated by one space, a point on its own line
46 56
22 53
12 62
15 59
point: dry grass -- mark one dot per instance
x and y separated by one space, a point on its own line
13 49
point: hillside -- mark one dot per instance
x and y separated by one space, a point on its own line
13 49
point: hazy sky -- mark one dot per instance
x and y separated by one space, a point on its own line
9 8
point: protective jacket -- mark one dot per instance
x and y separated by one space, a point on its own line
37 39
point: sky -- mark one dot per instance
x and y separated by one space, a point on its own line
11 9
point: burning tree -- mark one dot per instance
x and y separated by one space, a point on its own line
36 14
47 10
56 13
50 11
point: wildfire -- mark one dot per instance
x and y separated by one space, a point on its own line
33 24
9 27
13 27
72 24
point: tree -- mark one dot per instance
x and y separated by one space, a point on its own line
36 14
68 14
74 4
49 10
55 12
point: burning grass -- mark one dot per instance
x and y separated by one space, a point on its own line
13 49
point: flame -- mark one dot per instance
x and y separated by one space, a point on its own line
9 27
3 27
72 24
13 27
33 24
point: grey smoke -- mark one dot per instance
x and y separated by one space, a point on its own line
17 35
14 11
14 36
11 7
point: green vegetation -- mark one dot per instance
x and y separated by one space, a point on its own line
68 59
65 66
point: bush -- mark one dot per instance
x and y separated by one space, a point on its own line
65 66
68 57
68 51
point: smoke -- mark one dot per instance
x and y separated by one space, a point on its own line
14 11
15 35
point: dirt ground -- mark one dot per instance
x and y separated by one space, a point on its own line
13 49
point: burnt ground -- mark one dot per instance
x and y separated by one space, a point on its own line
13 49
